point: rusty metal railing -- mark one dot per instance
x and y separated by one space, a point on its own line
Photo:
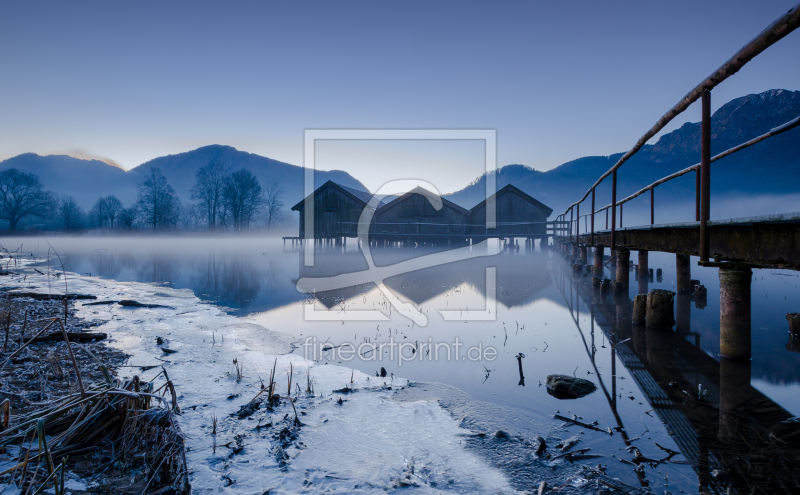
768 37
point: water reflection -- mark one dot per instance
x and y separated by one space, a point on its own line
243 275
737 439
550 314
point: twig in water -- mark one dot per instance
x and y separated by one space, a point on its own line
291 372
309 382
8 328
239 369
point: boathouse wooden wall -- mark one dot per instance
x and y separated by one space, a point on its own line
413 214
336 212
512 207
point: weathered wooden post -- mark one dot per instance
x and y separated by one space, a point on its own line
571 215
794 323
639 309
705 176
684 273
584 255
683 313
794 332
623 317
643 271
660 349
734 392
613 210
697 195
652 206
591 236
623 270
598 261
734 311
659 312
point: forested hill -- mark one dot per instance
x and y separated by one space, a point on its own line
88 180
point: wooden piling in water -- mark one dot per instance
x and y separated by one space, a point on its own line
734 311
684 273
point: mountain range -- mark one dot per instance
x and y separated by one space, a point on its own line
771 167
768 168
88 180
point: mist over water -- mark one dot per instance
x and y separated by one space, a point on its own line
541 314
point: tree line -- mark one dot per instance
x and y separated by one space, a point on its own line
224 200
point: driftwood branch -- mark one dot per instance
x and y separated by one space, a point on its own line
73 337
579 423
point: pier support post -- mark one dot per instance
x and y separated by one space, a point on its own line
734 392
623 268
683 314
734 311
684 272
598 261
643 271
575 253
585 255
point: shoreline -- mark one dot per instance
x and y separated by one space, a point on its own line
266 449
65 375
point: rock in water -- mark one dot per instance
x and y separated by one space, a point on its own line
568 387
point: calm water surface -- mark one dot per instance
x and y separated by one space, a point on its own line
651 383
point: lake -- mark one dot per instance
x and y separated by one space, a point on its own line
489 328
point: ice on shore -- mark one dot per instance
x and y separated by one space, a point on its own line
369 443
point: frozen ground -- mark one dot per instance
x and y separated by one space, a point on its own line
369 443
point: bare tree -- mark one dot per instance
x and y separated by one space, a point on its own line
158 203
97 215
106 210
273 202
243 198
21 195
113 208
127 217
188 217
208 190
70 214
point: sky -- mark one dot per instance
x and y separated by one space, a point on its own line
131 81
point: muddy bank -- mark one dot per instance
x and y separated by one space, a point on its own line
75 418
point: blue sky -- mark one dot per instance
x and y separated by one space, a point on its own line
557 80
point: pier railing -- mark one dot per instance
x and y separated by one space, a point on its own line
768 37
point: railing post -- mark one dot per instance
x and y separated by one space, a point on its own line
652 206
620 214
705 176
613 210
571 220
606 218
578 223
591 236
697 193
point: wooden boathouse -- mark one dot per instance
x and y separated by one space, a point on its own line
517 215
412 214
412 217
336 211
